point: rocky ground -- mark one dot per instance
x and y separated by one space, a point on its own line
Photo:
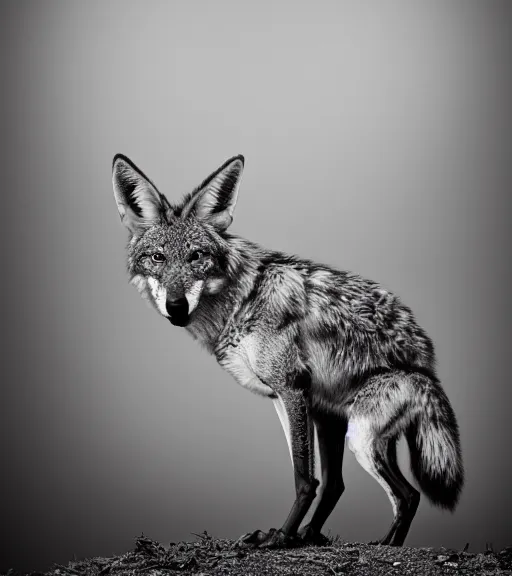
210 556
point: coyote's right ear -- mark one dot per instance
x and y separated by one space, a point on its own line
139 203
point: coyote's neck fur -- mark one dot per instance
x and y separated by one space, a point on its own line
245 264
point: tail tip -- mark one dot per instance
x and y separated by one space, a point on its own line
442 490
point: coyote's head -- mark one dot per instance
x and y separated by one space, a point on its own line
177 254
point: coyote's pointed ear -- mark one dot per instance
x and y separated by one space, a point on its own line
139 203
214 201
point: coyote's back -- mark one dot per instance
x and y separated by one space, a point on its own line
338 355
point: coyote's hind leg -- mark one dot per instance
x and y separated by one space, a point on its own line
377 455
407 497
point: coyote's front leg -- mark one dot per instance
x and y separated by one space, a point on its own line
292 405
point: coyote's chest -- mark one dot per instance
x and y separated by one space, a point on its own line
240 355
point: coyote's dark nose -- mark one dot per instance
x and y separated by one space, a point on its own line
178 311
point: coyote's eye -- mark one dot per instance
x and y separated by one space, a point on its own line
158 258
196 256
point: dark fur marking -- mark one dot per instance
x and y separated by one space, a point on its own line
289 317
257 284
397 367
390 424
301 380
328 332
258 281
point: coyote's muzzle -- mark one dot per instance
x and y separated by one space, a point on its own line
178 311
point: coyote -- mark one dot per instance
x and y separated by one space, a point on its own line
339 355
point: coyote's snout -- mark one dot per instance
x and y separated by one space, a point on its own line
337 354
177 308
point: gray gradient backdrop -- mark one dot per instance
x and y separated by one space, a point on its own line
377 138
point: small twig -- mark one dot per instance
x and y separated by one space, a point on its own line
203 536
313 561
466 547
297 556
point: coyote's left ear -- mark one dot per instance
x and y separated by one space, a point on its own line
139 203
214 201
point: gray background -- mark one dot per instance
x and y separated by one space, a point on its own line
377 139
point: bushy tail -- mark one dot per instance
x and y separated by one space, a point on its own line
436 458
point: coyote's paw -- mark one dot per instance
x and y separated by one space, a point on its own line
271 539
278 539
310 536
252 538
